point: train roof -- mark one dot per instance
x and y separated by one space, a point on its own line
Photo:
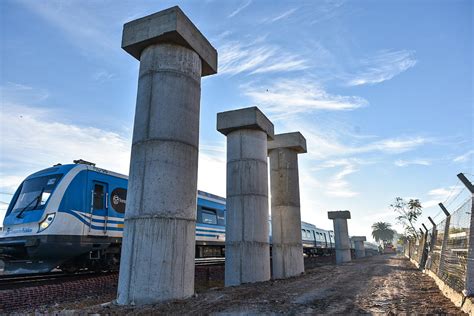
59 168
312 226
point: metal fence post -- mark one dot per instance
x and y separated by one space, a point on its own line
442 256
434 234
469 282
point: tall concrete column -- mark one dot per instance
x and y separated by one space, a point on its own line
247 253
158 248
287 247
359 246
341 235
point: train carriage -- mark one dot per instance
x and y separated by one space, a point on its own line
71 217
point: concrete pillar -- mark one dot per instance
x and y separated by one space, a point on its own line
158 248
341 235
359 246
247 253
287 247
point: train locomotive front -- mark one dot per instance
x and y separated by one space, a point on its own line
65 212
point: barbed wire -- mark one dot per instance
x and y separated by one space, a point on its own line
456 197
456 185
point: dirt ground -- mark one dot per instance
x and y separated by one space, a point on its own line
381 284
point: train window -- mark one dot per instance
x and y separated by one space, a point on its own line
98 203
209 216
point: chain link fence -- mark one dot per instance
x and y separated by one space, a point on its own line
446 255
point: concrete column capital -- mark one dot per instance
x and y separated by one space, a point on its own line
247 118
358 238
294 141
169 26
339 214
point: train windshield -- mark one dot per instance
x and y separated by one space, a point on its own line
35 193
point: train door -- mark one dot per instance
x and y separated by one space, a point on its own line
315 240
99 210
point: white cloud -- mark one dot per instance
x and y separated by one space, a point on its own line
291 96
465 157
383 66
404 163
212 168
444 194
239 9
257 57
27 133
33 139
338 186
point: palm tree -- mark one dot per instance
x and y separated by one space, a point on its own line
382 231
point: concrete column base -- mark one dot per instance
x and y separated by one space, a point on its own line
246 262
165 269
343 255
287 260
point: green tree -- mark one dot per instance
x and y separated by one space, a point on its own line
382 231
409 212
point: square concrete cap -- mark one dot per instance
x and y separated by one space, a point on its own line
294 141
247 118
358 238
339 214
168 26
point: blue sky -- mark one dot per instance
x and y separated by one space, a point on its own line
382 91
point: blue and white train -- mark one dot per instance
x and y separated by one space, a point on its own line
71 217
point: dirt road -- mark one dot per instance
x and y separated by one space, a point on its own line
381 284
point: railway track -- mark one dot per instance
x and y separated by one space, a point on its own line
210 261
9 282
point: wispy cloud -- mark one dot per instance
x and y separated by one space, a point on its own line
257 57
293 96
280 16
338 185
465 157
15 92
382 66
74 19
404 163
103 76
327 142
239 9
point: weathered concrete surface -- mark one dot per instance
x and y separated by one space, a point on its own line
359 246
287 248
169 26
247 245
157 261
247 118
341 235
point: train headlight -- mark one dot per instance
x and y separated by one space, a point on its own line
46 222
